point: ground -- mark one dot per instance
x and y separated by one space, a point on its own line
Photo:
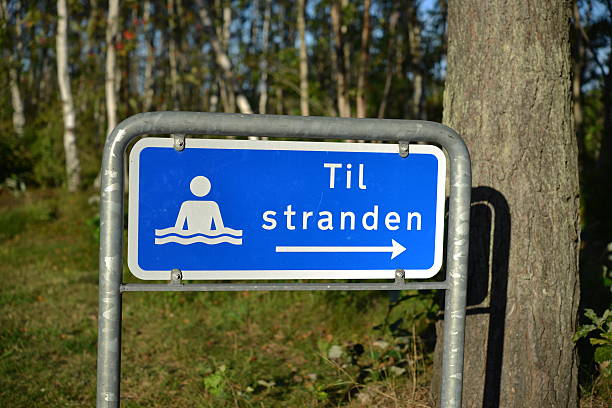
260 349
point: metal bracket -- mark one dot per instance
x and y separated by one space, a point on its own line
176 277
404 148
399 277
179 141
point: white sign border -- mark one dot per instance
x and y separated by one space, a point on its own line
133 192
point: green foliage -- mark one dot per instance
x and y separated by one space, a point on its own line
214 382
599 332
14 221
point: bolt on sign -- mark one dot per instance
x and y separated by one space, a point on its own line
238 209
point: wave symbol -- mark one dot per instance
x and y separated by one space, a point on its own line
186 237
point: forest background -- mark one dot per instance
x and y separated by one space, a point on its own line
70 70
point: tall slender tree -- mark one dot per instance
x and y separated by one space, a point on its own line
301 23
73 165
222 58
14 61
364 60
508 92
339 60
263 59
112 31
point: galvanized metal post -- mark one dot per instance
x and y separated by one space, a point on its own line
111 223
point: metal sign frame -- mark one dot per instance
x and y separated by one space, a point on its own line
403 132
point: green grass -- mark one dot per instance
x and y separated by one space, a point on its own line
246 349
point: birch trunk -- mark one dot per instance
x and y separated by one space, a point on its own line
301 23
263 63
364 57
73 166
112 28
515 113
172 51
222 59
149 93
14 60
338 58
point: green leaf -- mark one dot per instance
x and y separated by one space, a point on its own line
598 341
603 354
583 331
591 315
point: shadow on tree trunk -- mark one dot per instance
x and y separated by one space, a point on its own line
490 229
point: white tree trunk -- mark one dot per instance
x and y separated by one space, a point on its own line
150 61
14 60
222 58
73 166
112 28
172 53
301 23
263 62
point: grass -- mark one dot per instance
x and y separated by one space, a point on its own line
247 349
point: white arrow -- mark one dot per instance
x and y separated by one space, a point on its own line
396 248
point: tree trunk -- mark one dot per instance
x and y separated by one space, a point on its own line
149 93
338 59
393 19
73 166
222 58
14 61
112 28
172 55
364 57
508 92
263 62
301 23
416 110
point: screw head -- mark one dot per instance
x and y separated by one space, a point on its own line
399 273
176 275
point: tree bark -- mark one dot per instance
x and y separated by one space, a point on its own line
301 23
508 92
364 57
222 59
389 70
416 110
263 62
73 166
338 59
14 61
172 54
112 28
149 92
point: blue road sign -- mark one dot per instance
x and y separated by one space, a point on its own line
237 209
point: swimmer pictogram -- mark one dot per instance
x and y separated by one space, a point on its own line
195 221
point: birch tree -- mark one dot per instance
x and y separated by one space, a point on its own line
112 29
73 166
14 62
364 59
148 35
263 61
222 58
301 23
